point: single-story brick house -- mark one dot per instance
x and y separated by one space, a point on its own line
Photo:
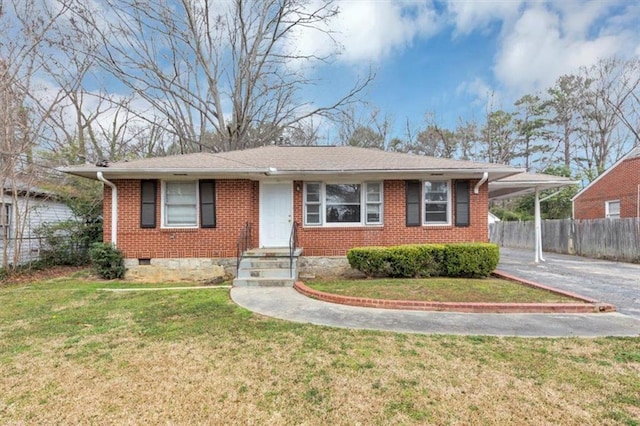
190 209
613 194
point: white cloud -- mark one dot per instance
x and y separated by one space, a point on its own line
541 40
469 16
538 50
370 31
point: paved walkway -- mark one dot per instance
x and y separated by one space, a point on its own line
288 304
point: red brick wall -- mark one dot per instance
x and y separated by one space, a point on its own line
237 202
620 183
318 241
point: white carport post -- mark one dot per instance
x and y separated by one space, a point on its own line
538 226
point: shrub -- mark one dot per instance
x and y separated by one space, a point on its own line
407 261
426 260
431 260
107 261
402 261
473 260
370 261
68 242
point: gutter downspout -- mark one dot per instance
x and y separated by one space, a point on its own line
114 208
485 177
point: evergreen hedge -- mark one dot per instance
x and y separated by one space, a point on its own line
107 261
475 260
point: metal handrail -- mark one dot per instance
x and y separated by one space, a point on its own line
243 243
293 243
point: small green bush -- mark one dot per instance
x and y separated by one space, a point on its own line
107 261
426 260
402 261
471 260
431 260
371 261
419 260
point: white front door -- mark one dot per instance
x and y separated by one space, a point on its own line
276 213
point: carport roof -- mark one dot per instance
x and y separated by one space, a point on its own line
526 183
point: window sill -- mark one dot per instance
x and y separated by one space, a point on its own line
344 226
183 230
438 226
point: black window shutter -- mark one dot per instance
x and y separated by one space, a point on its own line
148 190
462 203
413 202
207 204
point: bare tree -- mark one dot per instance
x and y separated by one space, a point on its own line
467 139
601 140
24 108
626 101
223 75
367 130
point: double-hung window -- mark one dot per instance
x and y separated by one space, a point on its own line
343 203
313 204
180 204
374 203
612 209
437 202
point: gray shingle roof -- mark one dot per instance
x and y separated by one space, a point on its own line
292 160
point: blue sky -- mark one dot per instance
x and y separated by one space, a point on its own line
447 57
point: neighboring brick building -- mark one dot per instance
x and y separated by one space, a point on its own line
194 206
614 194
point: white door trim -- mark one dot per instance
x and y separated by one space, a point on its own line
282 220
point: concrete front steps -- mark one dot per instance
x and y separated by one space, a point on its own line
267 267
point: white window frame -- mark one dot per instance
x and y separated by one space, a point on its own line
163 212
424 203
607 209
368 203
319 203
364 202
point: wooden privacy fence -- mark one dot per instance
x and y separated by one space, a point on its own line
617 239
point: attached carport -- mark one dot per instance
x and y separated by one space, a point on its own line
527 183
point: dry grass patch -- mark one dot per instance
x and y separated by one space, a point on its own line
440 289
193 357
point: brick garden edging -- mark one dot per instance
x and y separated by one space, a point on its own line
586 305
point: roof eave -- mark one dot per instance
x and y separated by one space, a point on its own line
113 172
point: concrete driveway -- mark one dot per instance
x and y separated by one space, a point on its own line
616 283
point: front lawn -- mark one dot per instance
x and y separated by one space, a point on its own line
441 289
72 354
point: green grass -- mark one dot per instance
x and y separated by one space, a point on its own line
488 290
70 353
